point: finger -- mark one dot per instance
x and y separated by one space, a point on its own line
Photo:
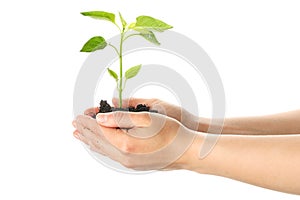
124 119
108 137
91 111
76 134
88 122
114 138
96 147
94 143
96 133
86 132
158 123
74 123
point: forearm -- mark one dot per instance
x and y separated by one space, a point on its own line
266 161
283 123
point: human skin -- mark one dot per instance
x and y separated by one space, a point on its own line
270 160
282 123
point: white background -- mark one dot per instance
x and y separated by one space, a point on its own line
254 44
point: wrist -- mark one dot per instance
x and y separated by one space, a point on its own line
190 159
203 124
195 123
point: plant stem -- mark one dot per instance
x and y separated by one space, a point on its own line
121 69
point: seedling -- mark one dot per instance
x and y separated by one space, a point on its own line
145 26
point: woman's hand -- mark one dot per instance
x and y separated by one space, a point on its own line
146 141
187 119
142 141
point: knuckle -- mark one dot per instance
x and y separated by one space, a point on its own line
146 119
149 120
127 147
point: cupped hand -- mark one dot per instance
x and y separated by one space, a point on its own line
184 117
141 141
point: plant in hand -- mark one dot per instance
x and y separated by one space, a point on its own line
145 26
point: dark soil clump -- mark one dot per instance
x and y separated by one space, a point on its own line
105 107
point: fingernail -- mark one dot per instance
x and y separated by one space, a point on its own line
76 135
101 118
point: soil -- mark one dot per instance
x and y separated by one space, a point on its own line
105 107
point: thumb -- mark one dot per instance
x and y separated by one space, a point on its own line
124 119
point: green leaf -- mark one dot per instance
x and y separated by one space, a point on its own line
150 23
100 15
113 74
131 26
93 44
132 72
123 21
149 35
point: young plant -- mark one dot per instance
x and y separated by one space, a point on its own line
145 26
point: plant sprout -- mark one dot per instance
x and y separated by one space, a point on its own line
144 27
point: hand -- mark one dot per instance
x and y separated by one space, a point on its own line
141 141
184 117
